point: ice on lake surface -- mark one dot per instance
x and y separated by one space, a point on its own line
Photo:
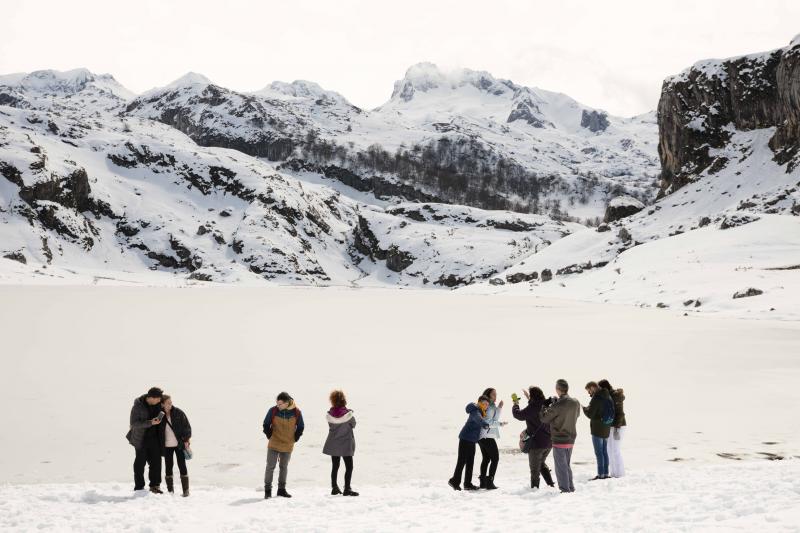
705 396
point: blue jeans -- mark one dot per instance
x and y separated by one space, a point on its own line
601 453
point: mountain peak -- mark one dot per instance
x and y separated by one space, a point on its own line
424 77
50 80
190 78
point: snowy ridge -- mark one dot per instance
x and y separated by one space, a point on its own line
85 190
563 158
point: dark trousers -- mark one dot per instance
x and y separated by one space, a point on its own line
466 458
490 457
348 470
151 456
536 462
169 461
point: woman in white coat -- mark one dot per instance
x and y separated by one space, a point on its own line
488 443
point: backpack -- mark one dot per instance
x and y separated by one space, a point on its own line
608 411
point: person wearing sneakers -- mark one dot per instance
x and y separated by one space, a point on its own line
283 426
341 443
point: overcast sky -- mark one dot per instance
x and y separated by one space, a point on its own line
609 54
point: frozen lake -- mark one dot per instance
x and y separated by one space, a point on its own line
74 358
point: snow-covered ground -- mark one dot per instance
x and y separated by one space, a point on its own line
709 401
744 497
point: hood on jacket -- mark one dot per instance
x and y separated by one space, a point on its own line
339 419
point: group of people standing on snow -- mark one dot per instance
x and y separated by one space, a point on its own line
551 424
159 429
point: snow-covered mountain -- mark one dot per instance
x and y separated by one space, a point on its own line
727 219
88 188
293 183
460 137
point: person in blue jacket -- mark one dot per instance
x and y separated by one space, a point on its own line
467 439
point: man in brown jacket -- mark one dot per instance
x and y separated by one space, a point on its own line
283 426
562 415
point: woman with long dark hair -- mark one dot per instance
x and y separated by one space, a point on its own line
175 435
538 435
490 455
616 467
341 442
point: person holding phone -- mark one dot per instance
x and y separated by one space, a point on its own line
469 436
143 435
490 455
175 435
538 432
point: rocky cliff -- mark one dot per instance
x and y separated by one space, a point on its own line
703 106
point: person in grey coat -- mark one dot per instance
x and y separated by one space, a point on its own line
341 443
143 435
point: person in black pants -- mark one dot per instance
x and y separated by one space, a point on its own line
341 442
488 441
175 435
469 436
143 435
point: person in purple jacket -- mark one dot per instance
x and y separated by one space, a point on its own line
467 439
538 432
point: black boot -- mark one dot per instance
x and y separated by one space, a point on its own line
453 482
267 492
482 482
155 489
548 477
534 483
283 494
185 486
335 490
350 492
469 486
490 483
170 485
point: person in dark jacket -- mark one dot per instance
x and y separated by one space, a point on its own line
562 415
538 432
176 432
600 431
341 443
283 426
616 467
144 437
467 439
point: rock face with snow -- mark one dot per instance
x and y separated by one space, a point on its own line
728 212
701 107
621 207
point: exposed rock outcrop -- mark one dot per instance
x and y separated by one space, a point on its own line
621 207
699 106
594 121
